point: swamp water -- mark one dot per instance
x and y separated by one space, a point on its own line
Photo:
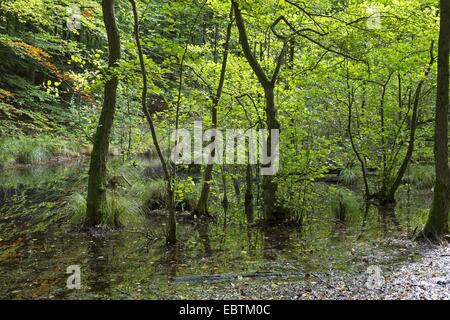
37 245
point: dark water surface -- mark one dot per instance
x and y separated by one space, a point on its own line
37 244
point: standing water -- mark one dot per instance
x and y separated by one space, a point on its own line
37 245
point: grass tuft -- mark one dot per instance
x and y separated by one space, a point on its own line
344 204
350 176
422 176
120 210
32 150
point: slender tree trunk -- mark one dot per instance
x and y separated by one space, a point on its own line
390 196
225 202
202 204
269 186
350 101
437 224
96 199
384 174
248 198
171 237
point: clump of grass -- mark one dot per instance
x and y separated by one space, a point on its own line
344 204
76 208
64 148
6 159
30 150
119 210
422 176
157 190
29 154
188 201
350 176
124 205
152 193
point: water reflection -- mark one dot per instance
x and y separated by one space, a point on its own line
275 243
388 219
202 229
98 263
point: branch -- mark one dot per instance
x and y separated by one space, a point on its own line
243 39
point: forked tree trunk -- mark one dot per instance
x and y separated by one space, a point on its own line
437 224
389 198
272 211
96 199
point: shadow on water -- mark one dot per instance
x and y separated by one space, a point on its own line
36 245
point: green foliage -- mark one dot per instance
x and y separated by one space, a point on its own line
52 81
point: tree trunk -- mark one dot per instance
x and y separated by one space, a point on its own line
202 205
437 224
384 174
350 101
271 210
390 196
96 199
171 236
269 186
248 202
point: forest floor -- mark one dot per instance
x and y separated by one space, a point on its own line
426 276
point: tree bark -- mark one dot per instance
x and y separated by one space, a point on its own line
96 199
437 224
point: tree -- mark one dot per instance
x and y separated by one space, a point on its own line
172 225
96 198
202 204
437 224
271 209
